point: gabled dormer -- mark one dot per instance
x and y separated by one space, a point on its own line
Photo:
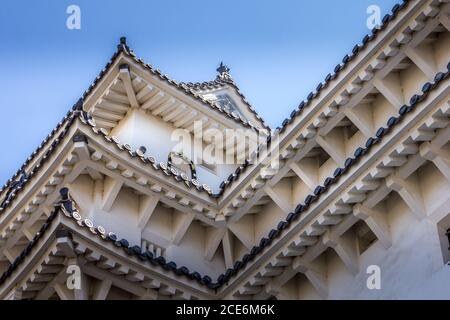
224 92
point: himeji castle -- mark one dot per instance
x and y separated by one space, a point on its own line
151 188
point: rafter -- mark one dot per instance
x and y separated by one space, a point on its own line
153 100
444 19
146 90
126 79
315 272
165 107
189 117
362 119
227 245
63 292
213 237
307 171
244 231
175 113
376 221
111 106
283 202
440 158
102 290
423 58
82 151
334 146
147 206
117 96
117 281
180 226
410 193
390 87
346 248
111 191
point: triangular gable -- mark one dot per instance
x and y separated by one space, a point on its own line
224 91
127 82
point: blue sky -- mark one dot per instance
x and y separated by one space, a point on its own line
278 52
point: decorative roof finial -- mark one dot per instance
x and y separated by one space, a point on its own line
123 45
224 72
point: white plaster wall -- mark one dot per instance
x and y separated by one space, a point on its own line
122 219
412 80
441 50
304 289
142 129
190 253
381 110
412 268
299 190
266 219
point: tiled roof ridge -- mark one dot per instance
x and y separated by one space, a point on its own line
86 119
212 84
12 189
181 177
330 77
123 47
43 144
349 162
77 107
66 204
29 247
69 117
319 190
292 216
68 207
220 83
357 49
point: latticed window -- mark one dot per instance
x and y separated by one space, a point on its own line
227 103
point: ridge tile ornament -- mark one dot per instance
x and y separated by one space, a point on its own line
224 73
14 187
